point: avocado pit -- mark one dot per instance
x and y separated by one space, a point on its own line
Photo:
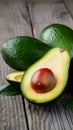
43 80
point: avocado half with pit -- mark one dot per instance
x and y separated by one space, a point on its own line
14 78
46 79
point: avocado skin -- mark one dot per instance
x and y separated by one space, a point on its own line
22 51
14 83
58 35
70 79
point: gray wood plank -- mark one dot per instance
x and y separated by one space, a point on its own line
14 21
43 1
69 6
45 14
51 116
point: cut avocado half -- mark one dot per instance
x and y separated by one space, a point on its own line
57 60
14 78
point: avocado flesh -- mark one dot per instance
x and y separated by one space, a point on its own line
58 35
58 60
14 78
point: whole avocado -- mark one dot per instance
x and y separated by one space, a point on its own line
58 35
22 51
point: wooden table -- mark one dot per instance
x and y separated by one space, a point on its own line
18 17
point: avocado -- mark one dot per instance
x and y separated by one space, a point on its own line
58 35
58 61
14 78
22 51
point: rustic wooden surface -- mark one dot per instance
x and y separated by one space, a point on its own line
18 17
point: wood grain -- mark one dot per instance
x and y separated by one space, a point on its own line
69 6
43 1
45 14
14 21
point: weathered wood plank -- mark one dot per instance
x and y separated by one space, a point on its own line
45 14
69 6
43 1
14 21
52 115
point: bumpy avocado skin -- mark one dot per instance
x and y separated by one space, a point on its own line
58 60
22 51
58 35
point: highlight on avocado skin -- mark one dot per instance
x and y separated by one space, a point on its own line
22 51
58 35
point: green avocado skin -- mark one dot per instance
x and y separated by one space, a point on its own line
58 35
14 83
22 51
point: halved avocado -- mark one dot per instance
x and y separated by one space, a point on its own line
14 78
58 60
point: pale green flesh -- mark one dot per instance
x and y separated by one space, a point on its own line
15 76
56 60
